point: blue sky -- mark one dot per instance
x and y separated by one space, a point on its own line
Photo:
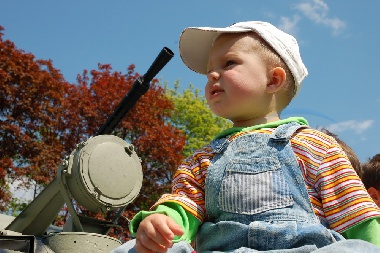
339 43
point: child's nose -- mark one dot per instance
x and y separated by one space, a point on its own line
213 76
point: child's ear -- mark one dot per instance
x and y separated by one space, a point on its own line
277 77
375 195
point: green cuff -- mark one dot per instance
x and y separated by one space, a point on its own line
188 222
135 222
368 230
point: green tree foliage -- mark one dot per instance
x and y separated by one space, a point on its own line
15 206
193 116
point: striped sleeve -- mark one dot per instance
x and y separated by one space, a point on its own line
336 192
188 185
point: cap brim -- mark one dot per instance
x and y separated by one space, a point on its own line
196 42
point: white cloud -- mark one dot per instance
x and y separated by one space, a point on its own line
317 11
357 126
289 25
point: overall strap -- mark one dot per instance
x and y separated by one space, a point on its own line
286 131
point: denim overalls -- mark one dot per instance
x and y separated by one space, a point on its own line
256 200
256 197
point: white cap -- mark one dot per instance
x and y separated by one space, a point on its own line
196 42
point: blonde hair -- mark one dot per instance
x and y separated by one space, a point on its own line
273 59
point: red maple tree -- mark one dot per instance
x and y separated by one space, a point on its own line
31 102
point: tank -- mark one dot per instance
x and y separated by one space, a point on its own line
103 173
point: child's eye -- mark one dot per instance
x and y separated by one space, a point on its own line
229 63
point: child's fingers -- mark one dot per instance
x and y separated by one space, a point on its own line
174 227
164 234
153 230
144 244
156 232
167 227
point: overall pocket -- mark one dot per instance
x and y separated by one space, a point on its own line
253 186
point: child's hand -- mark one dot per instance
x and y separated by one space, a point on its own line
155 233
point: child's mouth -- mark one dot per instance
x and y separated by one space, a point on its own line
215 92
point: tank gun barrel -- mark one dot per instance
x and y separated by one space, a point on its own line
139 87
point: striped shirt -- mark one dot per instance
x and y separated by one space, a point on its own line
336 192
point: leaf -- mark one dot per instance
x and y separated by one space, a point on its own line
193 116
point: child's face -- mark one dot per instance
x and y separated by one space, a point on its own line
237 81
